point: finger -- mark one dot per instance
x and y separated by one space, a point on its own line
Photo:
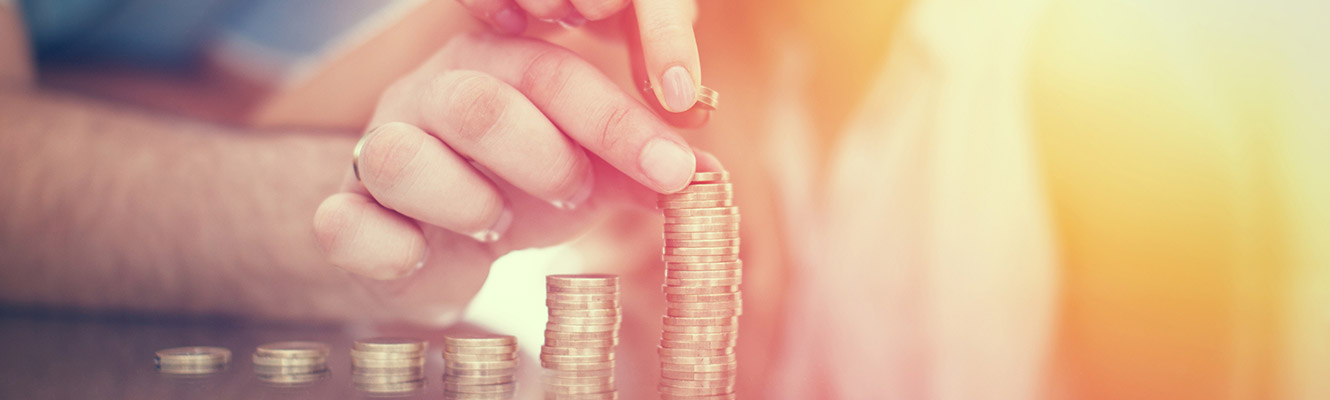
366 239
695 117
504 15
487 120
546 9
586 106
670 51
596 10
411 172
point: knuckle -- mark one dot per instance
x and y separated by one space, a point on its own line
388 156
566 174
546 73
611 122
474 104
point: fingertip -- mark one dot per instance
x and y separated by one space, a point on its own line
361 237
667 164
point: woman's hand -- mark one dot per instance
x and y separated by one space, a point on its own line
494 144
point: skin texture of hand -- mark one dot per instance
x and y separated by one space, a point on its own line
668 47
495 144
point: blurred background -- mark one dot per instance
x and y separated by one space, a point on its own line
943 199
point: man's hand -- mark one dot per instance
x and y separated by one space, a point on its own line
495 144
669 48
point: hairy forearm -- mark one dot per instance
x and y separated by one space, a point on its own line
113 208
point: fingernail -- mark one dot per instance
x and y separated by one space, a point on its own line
667 164
583 193
510 21
497 230
680 91
572 20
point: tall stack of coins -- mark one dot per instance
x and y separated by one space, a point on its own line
194 360
702 276
388 365
291 363
583 330
479 366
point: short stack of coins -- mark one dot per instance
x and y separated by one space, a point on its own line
291 363
479 366
194 360
388 365
583 330
702 277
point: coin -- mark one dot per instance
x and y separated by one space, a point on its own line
479 357
700 235
702 196
698 375
586 351
392 387
387 363
583 305
504 349
582 280
687 228
716 266
292 349
591 312
588 396
698 337
700 328
196 355
579 389
719 187
478 380
695 203
671 244
711 219
451 364
710 176
582 343
675 312
386 355
480 372
569 297
670 258
686 352
702 251
698 345
695 391
495 388
472 339
721 274
391 344
700 212
702 298
414 370
602 373
698 383
585 320
578 366
581 328
562 335
703 282
291 362
582 290
384 379
576 358
578 380
672 321
700 289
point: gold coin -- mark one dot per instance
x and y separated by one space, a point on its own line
716 266
674 312
553 334
701 196
708 98
391 344
717 305
699 337
568 374
694 204
670 258
683 352
582 290
685 228
195 355
601 312
477 396
391 387
699 328
566 358
703 298
701 235
721 359
721 274
710 176
721 367
287 362
579 389
583 305
503 349
578 366
387 363
714 219
479 357
577 380
588 396
576 351
186 369
700 212
695 391
581 343
723 187
698 345
674 321
702 243
703 282
415 370
567 297
478 339
582 280
698 383
495 388
292 349
478 380
386 355
503 364
581 328
727 396
701 251
615 320
293 379
700 289
698 375
385 379
289 370
480 372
